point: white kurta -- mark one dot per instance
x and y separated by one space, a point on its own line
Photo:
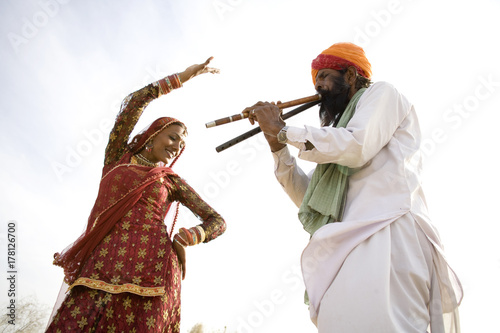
382 268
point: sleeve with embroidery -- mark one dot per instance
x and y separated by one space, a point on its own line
213 224
131 109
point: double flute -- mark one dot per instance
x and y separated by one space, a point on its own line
244 115
307 102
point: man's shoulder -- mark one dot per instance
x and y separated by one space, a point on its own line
382 88
381 85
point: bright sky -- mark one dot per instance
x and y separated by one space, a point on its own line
66 65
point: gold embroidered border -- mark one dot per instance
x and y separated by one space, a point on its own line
116 289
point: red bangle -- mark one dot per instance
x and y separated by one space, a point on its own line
164 89
178 238
196 231
188 235
175 81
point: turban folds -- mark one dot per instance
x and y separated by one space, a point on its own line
340 56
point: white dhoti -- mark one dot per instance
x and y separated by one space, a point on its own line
389 283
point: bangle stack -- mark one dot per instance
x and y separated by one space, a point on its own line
191 236
169 83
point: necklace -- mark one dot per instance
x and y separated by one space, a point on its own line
144 161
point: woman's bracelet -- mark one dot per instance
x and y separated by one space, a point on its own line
169 83
182 243
194 235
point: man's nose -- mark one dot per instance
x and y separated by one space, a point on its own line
319 85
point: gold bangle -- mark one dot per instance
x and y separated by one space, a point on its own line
202 232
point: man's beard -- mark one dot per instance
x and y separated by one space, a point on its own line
333 103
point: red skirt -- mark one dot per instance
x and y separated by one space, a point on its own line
91 310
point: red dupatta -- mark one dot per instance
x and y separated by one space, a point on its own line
119 190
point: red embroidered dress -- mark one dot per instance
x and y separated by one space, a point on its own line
126 276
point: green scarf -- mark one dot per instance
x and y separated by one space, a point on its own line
326 194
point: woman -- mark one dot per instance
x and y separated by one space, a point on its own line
124 272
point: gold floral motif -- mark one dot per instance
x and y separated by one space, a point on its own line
126 225
127 303
109 313
130 318
112 328
146 227
150 322
115 279
158 279
144 239
122 251
159 266
92 293
163 240
142 253
107 239
147 306
161 253
75 312
136 280
94 276
124 238
139 266
119 265
98 265
82 323
103 253
70 302
114 188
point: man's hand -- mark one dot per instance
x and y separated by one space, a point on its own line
268 115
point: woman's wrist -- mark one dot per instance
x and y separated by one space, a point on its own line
191 236
169 83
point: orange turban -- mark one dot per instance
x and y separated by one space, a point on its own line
340 56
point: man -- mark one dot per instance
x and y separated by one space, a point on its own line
374 262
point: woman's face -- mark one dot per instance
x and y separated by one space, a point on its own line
168 144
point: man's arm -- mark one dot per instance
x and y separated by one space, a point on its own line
290 176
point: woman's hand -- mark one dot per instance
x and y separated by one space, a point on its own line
196 70
181 256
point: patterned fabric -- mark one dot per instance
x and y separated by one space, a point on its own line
89 310
130 253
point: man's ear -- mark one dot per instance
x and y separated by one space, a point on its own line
351 75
